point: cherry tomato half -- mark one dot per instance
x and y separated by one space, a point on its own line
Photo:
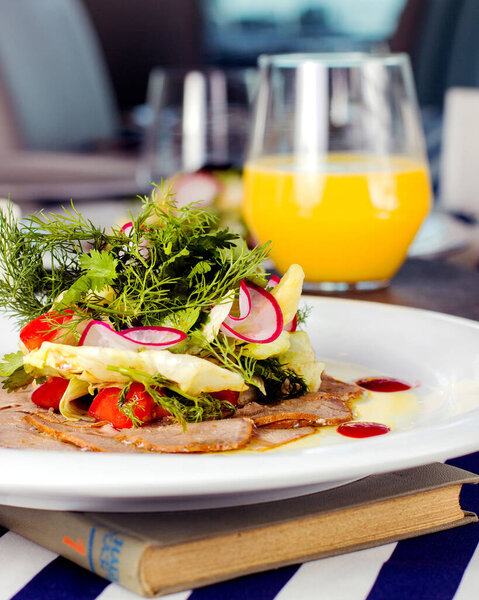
49 394
227 396
42 329
105 406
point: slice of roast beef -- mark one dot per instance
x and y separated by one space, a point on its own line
339 390
328 406
15 432
265 438
95 439
207 436
312 409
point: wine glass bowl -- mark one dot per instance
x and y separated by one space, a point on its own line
199 120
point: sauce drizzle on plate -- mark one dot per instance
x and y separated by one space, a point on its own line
362 429
383 384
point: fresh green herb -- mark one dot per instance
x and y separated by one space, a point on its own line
127 405
17 380
11 363
40 259
226 352
99 272
302 314
182 319
15 375
279 382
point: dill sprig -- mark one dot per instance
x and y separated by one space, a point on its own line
302 314
40 259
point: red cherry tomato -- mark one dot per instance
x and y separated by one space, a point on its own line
41 329
227 396
105 406
49 394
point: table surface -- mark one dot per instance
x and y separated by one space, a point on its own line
441 566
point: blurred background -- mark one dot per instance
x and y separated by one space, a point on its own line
74 80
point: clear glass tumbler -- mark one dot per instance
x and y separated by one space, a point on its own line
336 174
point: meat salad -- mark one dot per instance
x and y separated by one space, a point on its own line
163 335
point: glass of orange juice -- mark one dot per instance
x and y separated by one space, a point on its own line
336 174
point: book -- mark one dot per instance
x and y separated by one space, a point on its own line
158 553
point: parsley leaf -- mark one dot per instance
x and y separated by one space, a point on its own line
100 270
15 375
10 363
17 380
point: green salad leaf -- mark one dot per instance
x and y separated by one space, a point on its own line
10 363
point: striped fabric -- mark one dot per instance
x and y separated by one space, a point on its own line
441 566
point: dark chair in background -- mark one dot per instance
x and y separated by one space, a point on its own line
60 125
53 78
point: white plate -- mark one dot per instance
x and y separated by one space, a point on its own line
439 351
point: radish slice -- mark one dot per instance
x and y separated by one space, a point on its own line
263 324
101 334
201 188
273 281
292 325
127 227
244 304
154 336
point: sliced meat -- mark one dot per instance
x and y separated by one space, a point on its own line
328 406
333 388
15 400
23 425
265 438
312 409
208 436
16 433
99 439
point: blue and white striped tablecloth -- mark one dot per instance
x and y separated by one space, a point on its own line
441 566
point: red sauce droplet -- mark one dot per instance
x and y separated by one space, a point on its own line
383 384
362 429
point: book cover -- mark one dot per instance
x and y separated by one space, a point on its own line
147 552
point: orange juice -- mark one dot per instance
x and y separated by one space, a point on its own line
345 218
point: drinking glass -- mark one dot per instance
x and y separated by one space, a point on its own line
336 174
199 119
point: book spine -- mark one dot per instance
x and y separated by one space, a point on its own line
110 553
